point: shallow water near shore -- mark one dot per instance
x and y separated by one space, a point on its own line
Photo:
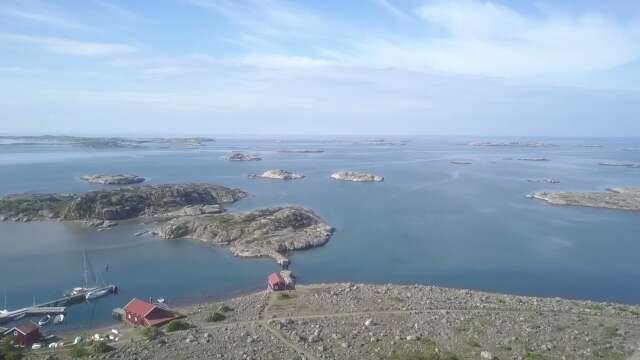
430 221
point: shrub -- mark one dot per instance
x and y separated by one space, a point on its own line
151 333
225 308
101 347
215 316
8 351
79 351
177 325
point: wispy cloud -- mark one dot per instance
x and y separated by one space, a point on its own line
121 12
42 18
69 47
385 4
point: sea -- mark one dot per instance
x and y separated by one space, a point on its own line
431 222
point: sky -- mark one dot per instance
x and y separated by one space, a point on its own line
357 67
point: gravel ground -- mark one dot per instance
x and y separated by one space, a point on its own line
354 321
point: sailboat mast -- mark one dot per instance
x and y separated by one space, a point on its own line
86 271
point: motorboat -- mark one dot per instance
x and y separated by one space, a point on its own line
58 319
44 320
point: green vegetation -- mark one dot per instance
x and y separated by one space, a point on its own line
79 351
215 316
151 333
284 296
610 332
536 356
225 308
8 351
177 325
101 347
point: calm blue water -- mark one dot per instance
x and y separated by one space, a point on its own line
430 222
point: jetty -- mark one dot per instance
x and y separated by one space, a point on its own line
54 307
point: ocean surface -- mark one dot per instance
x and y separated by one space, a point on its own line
430 222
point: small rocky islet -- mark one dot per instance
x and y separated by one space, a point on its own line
117 179
356 176
621 198
278 174
240 156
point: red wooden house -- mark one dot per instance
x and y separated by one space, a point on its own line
25 334
138 312
276 282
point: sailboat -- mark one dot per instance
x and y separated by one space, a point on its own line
4 311
82 289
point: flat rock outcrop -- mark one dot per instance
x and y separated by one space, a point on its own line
117 179
238 156
301 151
278 175
271 232
614 198
118 204
356 176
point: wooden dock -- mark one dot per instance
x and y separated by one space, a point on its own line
54 307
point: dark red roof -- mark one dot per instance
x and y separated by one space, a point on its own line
139 307
275 278
27 328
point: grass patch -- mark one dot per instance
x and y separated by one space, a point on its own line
215 316
536 356
151 333
79 351
610 331
224 308
285 296
178 325
101 347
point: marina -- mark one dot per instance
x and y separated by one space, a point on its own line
57 306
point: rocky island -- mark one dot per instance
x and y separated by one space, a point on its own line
619 164
117 204
545 181
184 211
118 179
278 175
614 198
272 232
395 322
238 156
356 176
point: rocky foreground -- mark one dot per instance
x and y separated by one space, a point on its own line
117 204
356 176
354 321
271 232
117 179
614 198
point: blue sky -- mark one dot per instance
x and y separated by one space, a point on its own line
455 67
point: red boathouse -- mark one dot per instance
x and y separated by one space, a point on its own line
276 282
26 334
138 312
